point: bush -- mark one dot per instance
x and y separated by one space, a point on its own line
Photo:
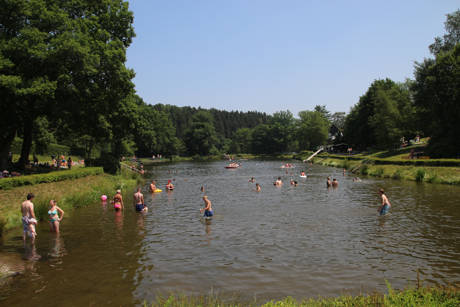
8 183
397 174
107 161
420 174
377 172
364 170
346 164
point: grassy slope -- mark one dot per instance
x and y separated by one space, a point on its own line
431 174
69 194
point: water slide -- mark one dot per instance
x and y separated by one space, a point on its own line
314 154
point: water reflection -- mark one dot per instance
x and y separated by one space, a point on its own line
57 248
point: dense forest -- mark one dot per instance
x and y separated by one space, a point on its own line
64 80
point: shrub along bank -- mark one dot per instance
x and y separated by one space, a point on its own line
70 193
8 183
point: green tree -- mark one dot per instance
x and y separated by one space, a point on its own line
281 131
312 130
262 140
241 141
451 38
201 137
65 60
382 115
437 92
385 120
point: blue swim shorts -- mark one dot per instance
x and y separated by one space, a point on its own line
140 207
208 213
384 209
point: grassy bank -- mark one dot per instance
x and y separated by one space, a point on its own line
70 194
435 296
394 164
430 174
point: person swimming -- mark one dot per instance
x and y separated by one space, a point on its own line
207 207
252 179
118 201
386 205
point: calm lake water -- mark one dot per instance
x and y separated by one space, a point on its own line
300 241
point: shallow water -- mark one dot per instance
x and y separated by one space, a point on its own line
301 241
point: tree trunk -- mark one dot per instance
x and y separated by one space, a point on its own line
5 147
26 144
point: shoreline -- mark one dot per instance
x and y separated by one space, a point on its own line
69 193
420 296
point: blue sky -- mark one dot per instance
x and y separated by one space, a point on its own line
268 55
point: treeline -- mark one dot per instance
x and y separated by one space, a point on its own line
429 105
63 80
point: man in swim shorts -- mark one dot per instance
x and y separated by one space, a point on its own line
385 207
28 218
207 207
138 201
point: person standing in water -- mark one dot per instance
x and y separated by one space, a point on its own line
153 187
118 201
335 183
169 186
329 182
278 182
258 187
54 217
28 218
207 207
138 201
385 207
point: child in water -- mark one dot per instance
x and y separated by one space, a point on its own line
207 207
385 207
258 187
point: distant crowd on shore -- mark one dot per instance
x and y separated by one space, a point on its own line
56 162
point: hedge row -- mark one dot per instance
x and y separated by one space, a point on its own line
408 162
351 158
8 183
419 162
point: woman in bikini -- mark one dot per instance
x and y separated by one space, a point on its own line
55 216
118 201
